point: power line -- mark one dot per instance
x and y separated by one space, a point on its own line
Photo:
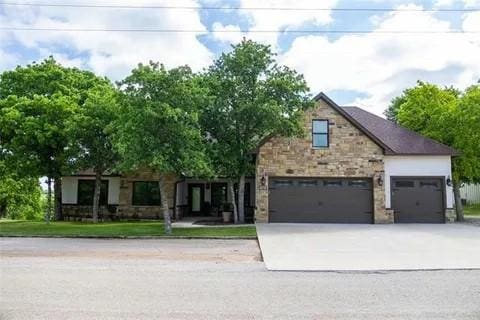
241 31
104 6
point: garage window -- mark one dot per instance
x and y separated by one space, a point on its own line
320 137
307 183
283 183
404 184
332 183
428 184
358 183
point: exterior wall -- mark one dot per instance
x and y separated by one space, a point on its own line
182 190
471 193
70 188
126 210
350 154
435 166
120 196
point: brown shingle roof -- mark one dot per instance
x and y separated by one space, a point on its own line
394 138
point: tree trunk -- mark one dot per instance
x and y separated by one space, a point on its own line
166 214
96 195
57 188
49 200
241 199
458 201
232 194
3 210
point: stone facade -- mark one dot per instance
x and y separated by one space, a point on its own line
73 212
127 210
350 154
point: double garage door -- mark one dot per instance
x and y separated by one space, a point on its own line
306 200
332 200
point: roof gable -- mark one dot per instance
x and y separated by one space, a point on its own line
400 141
322 96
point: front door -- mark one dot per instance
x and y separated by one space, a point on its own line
195 198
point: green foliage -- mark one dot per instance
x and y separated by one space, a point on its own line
392 110
38 104
91 130
158 124
450 117
37 107
20 198
251 98
467 136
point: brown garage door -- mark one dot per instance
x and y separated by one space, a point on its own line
320 200
418 200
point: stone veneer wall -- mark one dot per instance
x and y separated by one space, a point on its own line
350 154
127 210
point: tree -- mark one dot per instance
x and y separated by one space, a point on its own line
20 197
251 98
449 117
158 125
392 110
37 105
92 136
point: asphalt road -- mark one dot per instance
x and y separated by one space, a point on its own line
210 279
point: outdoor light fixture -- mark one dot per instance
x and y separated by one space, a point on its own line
263 179
380 181
449 181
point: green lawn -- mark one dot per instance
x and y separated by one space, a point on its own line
115 229
472 210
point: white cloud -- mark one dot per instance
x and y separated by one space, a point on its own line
111 53
382 65
229 37
448 3
471 22
284 19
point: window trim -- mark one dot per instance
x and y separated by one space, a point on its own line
318 133
145 205
107 182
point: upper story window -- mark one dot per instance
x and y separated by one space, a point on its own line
320 137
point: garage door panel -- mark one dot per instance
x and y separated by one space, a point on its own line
418 200
320 200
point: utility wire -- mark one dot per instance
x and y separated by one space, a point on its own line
105 6
241 31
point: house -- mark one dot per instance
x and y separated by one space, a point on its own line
350 167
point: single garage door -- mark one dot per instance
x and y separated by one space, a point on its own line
320 200
418 200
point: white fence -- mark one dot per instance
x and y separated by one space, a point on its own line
471 192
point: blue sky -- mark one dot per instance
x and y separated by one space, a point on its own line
354 69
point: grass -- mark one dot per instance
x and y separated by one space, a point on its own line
115 229
472 210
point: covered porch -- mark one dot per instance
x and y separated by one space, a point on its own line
207 199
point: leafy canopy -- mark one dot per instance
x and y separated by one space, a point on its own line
158 124
37 105
251 98
448 116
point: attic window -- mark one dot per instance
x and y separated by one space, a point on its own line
320 138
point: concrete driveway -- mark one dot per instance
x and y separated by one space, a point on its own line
327 247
